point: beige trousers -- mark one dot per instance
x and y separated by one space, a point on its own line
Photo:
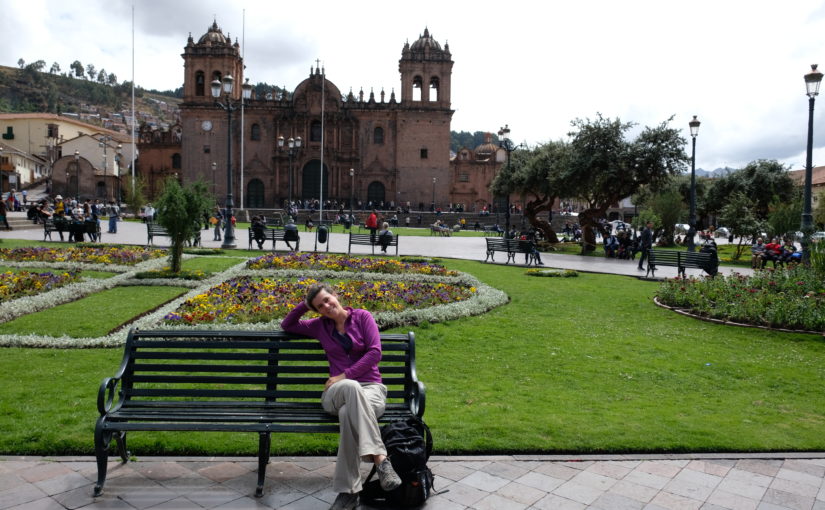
358 407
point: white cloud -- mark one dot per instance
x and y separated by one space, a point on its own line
738 64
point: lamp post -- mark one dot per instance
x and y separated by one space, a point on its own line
434 181
506 143
293 147
77 175
229 106
694 132
351 193
812 81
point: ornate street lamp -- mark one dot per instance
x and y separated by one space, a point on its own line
506 143
293 147
434 181
694 132
351 193
812 81
229 105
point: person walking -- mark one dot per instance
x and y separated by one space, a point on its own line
372 225
646 243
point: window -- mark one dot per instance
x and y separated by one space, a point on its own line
417 86
434 89
52 131
464 177
176 161
255 133
200 89
315 131
206 149
378 136
423 153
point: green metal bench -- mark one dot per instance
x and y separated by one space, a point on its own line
681 260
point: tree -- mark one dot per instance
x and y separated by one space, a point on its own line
55 69
605 167
764 181
668 206
77 67
21 63
135 196
819 212
785 218
112 79
180 211
90 70
101 76
534 175
738 215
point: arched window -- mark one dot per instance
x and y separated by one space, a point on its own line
255 193
255 133
100 190
434 88
216 75
418 83
200 88
378 136
176 161
375 192
315 131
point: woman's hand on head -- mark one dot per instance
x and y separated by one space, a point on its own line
333 380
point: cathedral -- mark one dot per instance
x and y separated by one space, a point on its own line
385 149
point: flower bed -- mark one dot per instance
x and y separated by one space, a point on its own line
552 273
320 261
791 299
250 300
26 283
120 255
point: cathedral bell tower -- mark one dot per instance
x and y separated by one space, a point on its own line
425 69
211 58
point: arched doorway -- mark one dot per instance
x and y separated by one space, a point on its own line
311 181
100 190
375 192
255 193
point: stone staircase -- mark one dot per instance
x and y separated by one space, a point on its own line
18 221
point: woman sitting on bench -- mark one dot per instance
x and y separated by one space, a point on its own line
354 391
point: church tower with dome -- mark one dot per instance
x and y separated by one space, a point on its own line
397 147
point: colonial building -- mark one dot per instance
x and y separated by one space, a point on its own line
397 146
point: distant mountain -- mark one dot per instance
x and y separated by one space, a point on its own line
719 172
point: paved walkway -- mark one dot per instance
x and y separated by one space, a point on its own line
470 248
652 482
740 481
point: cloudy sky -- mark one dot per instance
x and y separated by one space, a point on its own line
738 65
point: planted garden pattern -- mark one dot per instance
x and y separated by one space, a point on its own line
25 283
127 256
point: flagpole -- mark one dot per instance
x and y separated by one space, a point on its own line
243 52
134 152
321 185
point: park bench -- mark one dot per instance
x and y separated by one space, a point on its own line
49 227
491 230
366 240
511 247
74 229
275 235
234 381
155 230
681 260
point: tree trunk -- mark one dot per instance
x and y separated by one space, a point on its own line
175 255
588 220
531 210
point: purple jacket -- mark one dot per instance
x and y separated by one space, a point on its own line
361 364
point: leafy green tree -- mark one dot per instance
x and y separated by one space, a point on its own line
112 79
819 211
605 167
77 67
21 63
670 209
101 76
135 195
739 216
785 218
763 181
644 216
55 69
534 175
180 210
90 70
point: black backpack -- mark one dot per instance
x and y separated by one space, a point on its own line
409 444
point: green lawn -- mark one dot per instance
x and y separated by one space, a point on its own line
585 364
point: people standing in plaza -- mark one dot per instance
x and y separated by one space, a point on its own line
372 225
114 216
3 214
217 222
354 391
645 244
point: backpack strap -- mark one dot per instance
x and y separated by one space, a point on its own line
425 432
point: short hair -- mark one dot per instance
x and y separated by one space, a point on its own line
313 290
385 225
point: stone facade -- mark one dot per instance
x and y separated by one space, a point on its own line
396 146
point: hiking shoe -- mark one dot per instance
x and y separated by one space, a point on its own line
387 476
345 501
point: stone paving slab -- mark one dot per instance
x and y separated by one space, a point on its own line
783 481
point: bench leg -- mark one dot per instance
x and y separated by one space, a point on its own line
490 256
263 460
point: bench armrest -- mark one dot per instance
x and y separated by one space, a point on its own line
106 395
418 399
